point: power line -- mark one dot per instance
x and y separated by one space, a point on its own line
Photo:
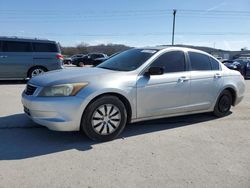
144 34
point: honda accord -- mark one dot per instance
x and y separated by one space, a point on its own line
135 85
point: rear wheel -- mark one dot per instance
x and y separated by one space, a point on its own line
223 104
35 71
104 119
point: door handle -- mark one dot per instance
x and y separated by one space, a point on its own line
3 56
217 75
183 79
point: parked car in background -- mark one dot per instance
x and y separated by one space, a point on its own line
233 65
22 58
220 59
241 65
90 59
101 60
135 85
69 60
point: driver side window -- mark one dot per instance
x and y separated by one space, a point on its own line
171 62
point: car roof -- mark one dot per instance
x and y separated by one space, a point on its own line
2 38
159 48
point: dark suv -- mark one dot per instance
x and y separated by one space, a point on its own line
22 58
90 59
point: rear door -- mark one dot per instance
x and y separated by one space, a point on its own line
17 56
45 55
206 81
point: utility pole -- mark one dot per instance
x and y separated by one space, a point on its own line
174 13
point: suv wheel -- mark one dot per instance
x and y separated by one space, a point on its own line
35 71
80 64
223 104
104 119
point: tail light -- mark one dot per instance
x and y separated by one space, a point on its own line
59 56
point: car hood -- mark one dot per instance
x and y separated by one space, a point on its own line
74 75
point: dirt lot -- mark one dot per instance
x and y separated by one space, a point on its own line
191 151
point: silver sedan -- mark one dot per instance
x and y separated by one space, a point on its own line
136 85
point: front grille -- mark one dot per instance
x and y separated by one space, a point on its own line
30 90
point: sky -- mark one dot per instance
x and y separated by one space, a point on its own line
223 24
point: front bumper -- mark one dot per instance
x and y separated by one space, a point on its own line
55 113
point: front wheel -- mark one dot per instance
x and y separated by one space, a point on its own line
81 64
104 119
223 104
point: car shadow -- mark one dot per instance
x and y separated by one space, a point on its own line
20 138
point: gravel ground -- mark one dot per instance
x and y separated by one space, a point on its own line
191 151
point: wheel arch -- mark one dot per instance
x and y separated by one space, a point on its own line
233 92
34 66
121 97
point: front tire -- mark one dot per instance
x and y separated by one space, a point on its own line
104 119
81 64
223 105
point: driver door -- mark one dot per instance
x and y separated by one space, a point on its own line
169 93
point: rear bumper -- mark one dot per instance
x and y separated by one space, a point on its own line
55 66
238 100
59 114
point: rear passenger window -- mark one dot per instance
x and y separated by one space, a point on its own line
215 65
199 61
44 47
171 62
12 46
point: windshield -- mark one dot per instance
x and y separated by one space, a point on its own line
128 60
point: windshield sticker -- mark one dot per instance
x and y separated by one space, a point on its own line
148 51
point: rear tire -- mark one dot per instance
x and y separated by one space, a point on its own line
35 71
223 104
104 119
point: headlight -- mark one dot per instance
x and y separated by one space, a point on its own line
63 90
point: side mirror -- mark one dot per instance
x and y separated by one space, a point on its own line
155 71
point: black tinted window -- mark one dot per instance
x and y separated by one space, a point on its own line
171 62
44 47
95 56
12 46
199 61
215 65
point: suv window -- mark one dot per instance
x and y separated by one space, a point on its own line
199 61
95 56
171 62
215 65
1 49
13 46
44 47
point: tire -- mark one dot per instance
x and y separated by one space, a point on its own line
35 71
103 127
80 64
223 104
